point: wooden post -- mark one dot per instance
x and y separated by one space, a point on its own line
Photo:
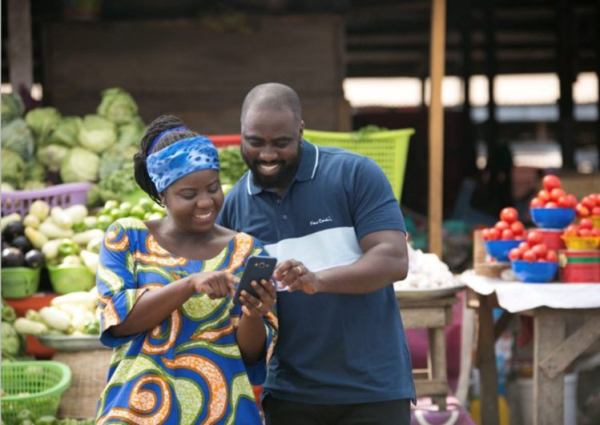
486 360
436 125
469 157
491 126
20 55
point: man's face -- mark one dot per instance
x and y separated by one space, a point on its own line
271 146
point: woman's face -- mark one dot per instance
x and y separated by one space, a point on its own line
194 201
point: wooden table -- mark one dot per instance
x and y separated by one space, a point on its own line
554 350
433 314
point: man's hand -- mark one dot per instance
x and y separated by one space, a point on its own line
296 277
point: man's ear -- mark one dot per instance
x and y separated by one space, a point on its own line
301 129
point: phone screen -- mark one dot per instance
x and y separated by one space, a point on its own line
257 269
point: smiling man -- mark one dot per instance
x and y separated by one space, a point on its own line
331 219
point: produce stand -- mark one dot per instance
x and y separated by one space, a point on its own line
550 305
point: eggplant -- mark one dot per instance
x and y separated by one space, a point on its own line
34 259
12 257
22 243
12 230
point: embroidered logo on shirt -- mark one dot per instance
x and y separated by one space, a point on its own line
321 221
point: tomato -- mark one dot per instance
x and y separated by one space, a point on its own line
552 256
551 204
523 246
514 254
501 226
493 234
572 200
571 230
529 256
557 193
596 231
596 211
564 202
541 250
584 232
537 203
509 214
586 223
582 211
551 182
544 195
485 233
507 235
534 238
588 202
517 228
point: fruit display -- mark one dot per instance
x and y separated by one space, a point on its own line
589 207
582 236
552 208
505 235
533 249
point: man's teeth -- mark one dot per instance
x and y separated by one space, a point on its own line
269 167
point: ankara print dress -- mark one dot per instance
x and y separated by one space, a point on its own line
187 370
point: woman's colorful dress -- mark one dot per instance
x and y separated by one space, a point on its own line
187 370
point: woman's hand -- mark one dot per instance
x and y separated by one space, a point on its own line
214 284
258 307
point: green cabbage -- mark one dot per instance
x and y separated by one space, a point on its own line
43 121
117 106
97 134
11 344
131 133
79 165
51 156
17 137
115 158
67 132
14 168
120 185
36 171
12 107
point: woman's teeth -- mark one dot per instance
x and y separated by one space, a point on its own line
202 216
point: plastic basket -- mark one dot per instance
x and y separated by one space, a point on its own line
19 282
62 195
33 385
388 149
67 279
224 140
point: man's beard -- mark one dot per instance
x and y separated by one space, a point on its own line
277 181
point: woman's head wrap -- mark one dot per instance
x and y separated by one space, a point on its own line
180 159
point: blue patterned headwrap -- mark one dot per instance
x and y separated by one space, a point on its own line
180 159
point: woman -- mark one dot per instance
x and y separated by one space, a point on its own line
183 353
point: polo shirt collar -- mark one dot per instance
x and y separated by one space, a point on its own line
306 171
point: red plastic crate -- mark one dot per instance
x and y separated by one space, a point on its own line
223 140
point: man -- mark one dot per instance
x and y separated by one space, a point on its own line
331 219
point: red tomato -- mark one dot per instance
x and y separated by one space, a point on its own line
517 228
509 214
507 235
544 195
552 256
572 200
588 202
564 202
534 238
596 211
582 211
541 250
485 233
596 231
501 226
514 254
493 234
523 246
557 193
584 232
537 203
551 204
586 223
551 182
529 256
571 230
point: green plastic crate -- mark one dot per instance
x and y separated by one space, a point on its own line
33 385
388 149
19 282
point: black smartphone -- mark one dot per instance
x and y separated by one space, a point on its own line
257 269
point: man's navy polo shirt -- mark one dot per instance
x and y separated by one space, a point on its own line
331 348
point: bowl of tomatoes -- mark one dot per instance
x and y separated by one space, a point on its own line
552 208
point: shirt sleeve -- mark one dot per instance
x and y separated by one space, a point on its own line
117 287
257 372
374 206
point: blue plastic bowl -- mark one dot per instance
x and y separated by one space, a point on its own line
500 249
552 218
536 272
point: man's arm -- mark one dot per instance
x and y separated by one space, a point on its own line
385 261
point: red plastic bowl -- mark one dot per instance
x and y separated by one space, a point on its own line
551 237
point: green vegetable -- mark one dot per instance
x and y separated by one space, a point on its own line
117 106
37 238
232 165
86 237
36 172
40 209
12 107
95 245
43 121
52 231
120 185
71 260
92 328
8 313
31 220
46 420
33 185
115 158
17 137
66 132
80 165
67 247
14 169
11 344
55 318
51 156
97 134
61 218
24 414
50 249
76 212
90 260
29 327
131 133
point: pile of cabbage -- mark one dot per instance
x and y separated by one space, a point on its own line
43 146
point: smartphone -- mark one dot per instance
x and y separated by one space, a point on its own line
257 269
